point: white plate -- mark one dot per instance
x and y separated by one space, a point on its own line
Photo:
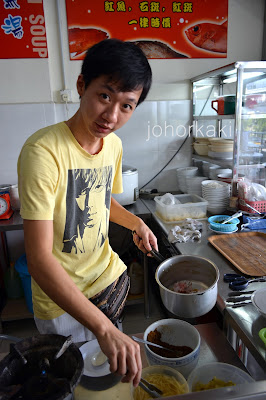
222 233
258 299
88 350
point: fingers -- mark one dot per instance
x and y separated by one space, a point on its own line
133 366
145 240
124 358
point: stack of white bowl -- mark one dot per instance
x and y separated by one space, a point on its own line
182 173
220 148
193 184
201 146
217 194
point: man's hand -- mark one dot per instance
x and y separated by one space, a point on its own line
143 238
123 354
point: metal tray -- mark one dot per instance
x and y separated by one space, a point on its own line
246 251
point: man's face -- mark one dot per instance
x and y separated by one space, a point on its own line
103 108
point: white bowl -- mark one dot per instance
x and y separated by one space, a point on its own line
185 171
226 372
201 148
179 333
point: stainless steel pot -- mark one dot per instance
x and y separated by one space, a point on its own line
190 268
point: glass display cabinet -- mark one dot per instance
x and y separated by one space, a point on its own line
230 103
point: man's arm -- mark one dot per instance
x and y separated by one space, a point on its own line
123 353
143 237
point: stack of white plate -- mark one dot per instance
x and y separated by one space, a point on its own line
193 184
217 194
182 173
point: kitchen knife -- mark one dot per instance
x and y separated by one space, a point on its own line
237 293
237 299
241 304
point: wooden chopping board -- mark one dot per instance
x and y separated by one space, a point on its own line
246 251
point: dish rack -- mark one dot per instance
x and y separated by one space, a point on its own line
254 205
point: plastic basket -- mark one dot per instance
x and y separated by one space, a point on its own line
258 205
22 268
230 227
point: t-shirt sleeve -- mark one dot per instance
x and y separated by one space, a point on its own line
118 183
37 180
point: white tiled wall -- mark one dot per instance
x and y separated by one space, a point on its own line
150 138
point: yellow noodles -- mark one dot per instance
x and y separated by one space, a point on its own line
166 383
215 383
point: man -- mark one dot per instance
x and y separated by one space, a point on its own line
66 175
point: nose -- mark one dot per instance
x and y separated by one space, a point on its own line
111 113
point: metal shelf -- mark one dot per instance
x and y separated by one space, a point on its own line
229 116
212 117
223 163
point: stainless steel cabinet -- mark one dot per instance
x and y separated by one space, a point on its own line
240 89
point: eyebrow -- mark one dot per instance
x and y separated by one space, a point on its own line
112 90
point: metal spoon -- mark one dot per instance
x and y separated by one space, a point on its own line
64 347
151 344
238 214
98 359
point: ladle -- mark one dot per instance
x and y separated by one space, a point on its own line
152 344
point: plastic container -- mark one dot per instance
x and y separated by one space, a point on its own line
13 285
161 369
226 372
22 268
192 206
229 227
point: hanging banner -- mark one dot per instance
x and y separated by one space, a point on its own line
22 32
162 29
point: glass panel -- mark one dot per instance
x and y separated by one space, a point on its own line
203 95
252 152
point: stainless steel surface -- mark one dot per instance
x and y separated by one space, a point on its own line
214 347
196 269
245 321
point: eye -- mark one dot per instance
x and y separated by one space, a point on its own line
196 28
128 107
104 96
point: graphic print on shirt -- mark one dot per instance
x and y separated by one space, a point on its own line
87 209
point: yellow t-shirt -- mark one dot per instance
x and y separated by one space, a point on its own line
60 181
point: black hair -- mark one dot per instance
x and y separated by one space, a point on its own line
122 62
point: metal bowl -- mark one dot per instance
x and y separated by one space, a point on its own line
204 275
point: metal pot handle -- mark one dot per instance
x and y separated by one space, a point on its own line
154 252
157 255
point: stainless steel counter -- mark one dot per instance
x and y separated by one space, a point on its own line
245 321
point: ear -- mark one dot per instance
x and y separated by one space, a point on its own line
80 85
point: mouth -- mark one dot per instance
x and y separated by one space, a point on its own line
103 128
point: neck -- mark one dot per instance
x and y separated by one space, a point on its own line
91 145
